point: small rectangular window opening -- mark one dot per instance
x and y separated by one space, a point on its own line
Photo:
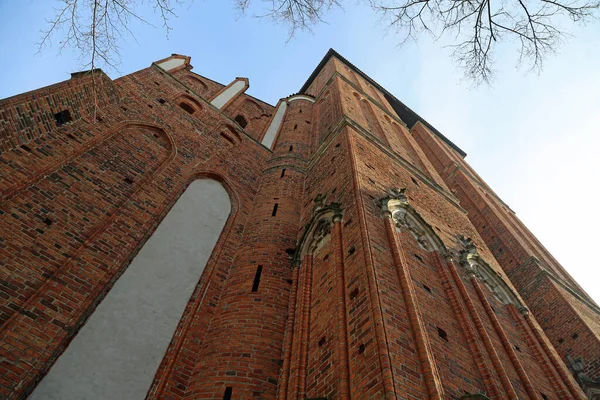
291 148
274 213
282 173
296 126
62 117
257 278
228 393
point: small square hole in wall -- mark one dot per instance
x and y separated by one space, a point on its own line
574 336
561 341
352 250
353 294
361 348
322 341
162 101
62 117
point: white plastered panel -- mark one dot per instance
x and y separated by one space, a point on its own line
116 353
228 94
275 124
171 63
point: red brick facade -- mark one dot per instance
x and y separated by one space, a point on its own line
355 222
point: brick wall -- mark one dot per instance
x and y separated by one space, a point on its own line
369 313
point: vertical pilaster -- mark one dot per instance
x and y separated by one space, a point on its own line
484 370
551 374
305 323
560 368
342 347
487 342
431 375
504 339
374 297
289 337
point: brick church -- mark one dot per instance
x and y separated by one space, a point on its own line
166 236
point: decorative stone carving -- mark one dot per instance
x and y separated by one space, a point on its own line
474 265
396 206
318 229
321 232
591 387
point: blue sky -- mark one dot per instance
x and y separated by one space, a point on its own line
534 139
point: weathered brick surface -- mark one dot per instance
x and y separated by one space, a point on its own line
527 263
348 318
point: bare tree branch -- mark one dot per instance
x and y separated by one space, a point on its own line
94 28
479 25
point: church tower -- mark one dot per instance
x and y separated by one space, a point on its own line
165 236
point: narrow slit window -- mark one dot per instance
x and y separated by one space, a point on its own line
296 126
256 282
274 213
291 148
282 173
228 393
442 333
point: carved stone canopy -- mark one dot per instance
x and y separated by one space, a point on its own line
474 265
396 206
322 230
318 229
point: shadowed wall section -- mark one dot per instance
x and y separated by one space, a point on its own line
117 352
